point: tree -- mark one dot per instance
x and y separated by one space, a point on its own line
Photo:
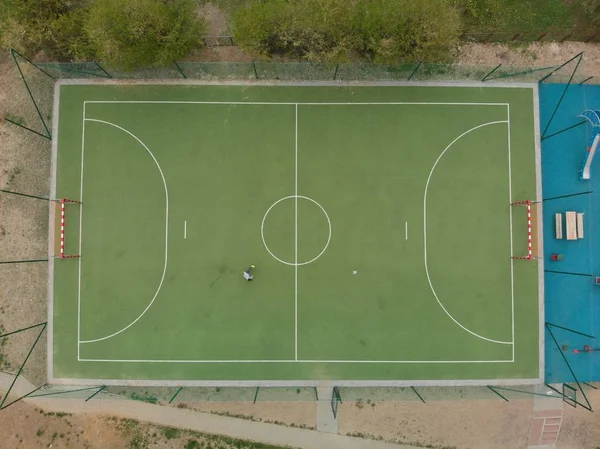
32 26
591 9
410 30
143 33
334 30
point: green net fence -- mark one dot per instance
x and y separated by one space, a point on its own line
31 108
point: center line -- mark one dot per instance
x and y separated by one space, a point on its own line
406 230
296 242
185 229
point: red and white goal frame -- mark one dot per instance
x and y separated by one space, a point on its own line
59 240
532 243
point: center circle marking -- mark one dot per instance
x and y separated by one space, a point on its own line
262 231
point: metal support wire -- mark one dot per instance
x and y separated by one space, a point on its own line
6 262
565 129
56 393
587 405
580 56
567 196
569 273
523 72
570 330
26 194
23 364
21 398
27 128
37 108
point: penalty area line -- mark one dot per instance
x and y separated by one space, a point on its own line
185 229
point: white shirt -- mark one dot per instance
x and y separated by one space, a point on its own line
247 276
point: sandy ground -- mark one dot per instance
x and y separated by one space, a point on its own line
580 428
25 427
296 414
24 166
462 424
534 55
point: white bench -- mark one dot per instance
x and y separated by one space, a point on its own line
559 227
580 225
571 219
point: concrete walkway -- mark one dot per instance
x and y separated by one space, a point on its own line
326 422
213 424
198 421
547 419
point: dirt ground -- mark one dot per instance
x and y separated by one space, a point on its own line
534 55
296 414
580 428
24 166
490 424
26 427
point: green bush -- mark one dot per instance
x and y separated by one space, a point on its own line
32 26
591 11
143 33
335 30
411 30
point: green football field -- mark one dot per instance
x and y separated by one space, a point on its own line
378 220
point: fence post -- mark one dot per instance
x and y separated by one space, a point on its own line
414 71
99 390
493 70
254 67
180 71
337 66
102 68
418 395
175 395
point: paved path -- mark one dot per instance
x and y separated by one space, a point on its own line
214 424
197 421
326 422
547 419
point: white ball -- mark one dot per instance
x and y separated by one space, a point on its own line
355 272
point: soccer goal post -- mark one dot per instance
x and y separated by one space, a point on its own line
61 229
532 243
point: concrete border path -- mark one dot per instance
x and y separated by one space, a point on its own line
197 421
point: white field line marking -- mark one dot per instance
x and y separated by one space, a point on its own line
425 233
296 239
185 229
406 230
166 232
80 235
510 214
262 231
293 104
297 361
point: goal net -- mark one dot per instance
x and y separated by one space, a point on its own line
61 229
531 210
